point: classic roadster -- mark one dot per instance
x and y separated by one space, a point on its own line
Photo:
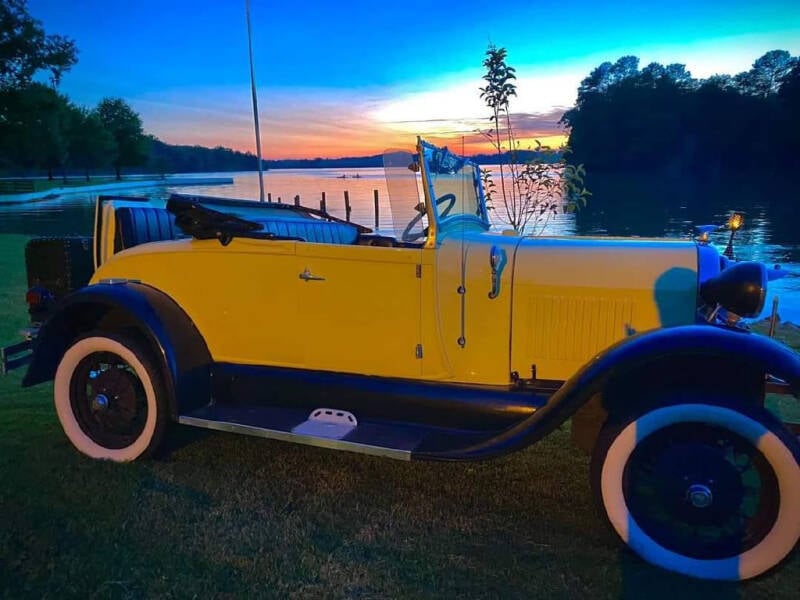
439 340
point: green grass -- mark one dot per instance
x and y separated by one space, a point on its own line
231 516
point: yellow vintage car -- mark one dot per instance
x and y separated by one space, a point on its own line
439 340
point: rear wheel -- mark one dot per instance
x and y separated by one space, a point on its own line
703 489
109 398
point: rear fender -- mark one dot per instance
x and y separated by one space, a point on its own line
169 332
738 357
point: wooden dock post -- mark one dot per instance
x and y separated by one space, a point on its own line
323 205
377 210
279 200
297 200
269 197
347 207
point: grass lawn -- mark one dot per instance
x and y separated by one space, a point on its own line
224 515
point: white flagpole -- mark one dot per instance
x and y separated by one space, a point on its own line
255 104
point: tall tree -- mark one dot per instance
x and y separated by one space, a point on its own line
90 144
26 49
767 73
596 82
34 124
789 105
125 126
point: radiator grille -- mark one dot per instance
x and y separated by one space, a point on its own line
569 328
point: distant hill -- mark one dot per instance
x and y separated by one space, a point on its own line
166 158
354 162
348 162
169 158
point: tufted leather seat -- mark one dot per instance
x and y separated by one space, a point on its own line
142 224
321 232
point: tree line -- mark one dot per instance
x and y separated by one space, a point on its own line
660 117
43 131
40 128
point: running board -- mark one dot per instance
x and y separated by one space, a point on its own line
386 439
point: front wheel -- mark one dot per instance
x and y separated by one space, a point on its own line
109 398
703 489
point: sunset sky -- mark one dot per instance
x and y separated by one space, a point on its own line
353 78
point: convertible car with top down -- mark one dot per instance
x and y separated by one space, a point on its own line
442 339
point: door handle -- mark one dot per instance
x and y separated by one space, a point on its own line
306 275
497 261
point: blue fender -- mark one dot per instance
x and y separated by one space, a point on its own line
176 343
692 344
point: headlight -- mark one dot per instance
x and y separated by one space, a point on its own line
740 288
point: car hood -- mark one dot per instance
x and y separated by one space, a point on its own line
570 297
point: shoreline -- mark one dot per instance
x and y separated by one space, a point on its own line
57 192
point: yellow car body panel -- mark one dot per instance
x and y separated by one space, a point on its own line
359 313
363 315
243 298
399 312
478 351
574 297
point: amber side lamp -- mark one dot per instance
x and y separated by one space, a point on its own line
735 223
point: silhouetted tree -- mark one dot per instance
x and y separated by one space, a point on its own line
789 106
91 145
767 72
34 127
660 117
125 126
25 49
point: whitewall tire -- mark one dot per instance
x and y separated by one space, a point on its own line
702 489
109 398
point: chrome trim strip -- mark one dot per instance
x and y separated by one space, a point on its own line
286 436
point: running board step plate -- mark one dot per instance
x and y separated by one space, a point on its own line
327 423
292 425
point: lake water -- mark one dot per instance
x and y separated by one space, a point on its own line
620 205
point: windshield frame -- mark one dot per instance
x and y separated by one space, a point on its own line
435 221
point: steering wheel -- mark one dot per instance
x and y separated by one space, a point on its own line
449 207
408 236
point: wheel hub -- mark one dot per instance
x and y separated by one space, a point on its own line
108 399
100 402
701 490
699 495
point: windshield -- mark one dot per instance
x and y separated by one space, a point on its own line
402 174
455 185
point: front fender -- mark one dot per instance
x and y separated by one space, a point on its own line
697 345
172 336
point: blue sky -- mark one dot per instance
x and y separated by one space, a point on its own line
356 77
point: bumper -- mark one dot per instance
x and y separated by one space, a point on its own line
17 355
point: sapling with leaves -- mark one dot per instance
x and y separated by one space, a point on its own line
534 190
